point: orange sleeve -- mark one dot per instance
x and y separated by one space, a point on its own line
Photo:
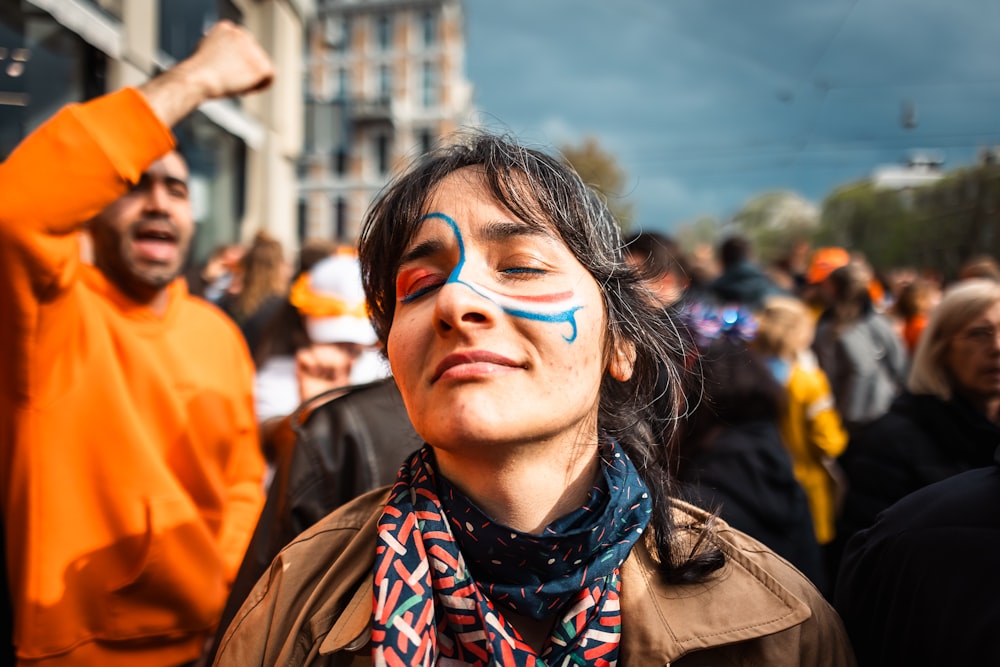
244 477
58 178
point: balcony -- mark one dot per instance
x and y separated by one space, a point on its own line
370 110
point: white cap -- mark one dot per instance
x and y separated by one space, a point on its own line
331 300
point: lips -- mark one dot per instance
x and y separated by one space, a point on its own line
156 241
473 363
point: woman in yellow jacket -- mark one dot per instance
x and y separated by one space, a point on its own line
810 425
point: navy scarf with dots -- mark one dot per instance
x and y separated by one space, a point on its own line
445 572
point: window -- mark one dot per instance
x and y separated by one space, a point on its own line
425 140
382 154
385 82
340 219
383 29
429 86
322 126
302 219
42 67
428 26
338 34
340 161
343 83
183 23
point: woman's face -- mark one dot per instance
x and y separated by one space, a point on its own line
973 356
498 333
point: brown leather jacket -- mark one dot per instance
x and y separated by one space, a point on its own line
314 605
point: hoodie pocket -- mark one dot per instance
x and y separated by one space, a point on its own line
176 585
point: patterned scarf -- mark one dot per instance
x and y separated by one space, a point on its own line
444 573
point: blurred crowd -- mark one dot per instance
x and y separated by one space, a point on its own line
828 392
820 389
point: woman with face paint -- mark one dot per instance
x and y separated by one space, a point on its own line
537 525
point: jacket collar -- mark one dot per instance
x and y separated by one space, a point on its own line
661 622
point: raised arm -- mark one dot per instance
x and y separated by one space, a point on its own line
227 62
83 159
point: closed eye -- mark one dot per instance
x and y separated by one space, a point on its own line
523 271
411 285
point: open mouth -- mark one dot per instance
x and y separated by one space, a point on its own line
156 242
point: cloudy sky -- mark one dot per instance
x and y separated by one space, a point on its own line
706 103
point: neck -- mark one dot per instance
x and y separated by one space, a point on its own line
528 489
155 298
991 408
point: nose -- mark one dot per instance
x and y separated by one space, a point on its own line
460 306
156 198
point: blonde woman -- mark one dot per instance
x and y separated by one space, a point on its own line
810 425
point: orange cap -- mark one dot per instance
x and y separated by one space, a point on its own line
824 262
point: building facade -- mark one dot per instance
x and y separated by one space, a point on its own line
384 82
242 153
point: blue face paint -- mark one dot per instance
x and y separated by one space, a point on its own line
544 308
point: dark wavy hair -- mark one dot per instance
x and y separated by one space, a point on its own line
539 189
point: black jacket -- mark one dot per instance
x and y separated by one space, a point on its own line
745 472
744 283
920 586
340 449
921 440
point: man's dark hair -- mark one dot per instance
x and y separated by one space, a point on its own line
660 255
734 250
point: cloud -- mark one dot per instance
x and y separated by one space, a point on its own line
707 103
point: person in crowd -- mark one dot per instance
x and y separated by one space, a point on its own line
264 280
980 266
947 421
810 425
218 275
660 261
903 597
131 471
312 251
913 306
788 270
732 456
536 522
742 281
320 340
816 290
662 267
858 349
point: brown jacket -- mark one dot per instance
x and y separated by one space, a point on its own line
314 605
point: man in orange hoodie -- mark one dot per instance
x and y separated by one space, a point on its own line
130 474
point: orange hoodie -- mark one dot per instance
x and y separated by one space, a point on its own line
130 474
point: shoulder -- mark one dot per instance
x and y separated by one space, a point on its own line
902 428
317 591
959 502
328 536
934 549
205 311
198 317
758 607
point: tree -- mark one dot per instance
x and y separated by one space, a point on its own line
600 170
774 222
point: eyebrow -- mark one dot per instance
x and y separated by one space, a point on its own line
422 250
503 230
494 230
174 180
168 180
